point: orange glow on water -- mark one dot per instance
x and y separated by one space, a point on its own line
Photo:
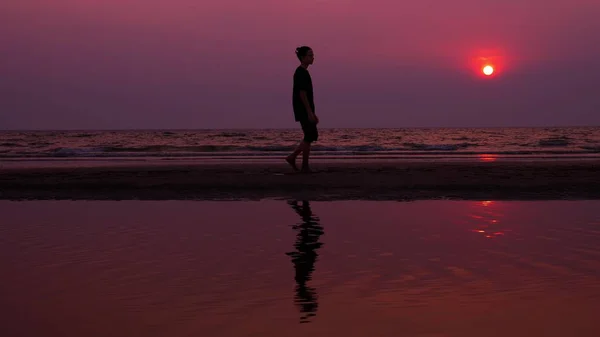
487 157
486 215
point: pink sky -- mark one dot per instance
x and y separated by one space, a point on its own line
228 64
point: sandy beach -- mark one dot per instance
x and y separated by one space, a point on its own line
373 180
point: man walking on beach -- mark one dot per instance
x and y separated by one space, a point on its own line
304 108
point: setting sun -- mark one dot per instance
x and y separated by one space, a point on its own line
488 70
487 63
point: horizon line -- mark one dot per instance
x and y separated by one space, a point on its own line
294 128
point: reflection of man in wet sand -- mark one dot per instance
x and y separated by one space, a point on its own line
304 258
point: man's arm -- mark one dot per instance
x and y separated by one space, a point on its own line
304 98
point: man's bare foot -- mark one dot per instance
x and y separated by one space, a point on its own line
306 170
292 162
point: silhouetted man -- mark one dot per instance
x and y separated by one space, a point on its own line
304 108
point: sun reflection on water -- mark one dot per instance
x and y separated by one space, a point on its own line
487 157
486 216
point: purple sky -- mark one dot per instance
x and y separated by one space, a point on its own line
114 64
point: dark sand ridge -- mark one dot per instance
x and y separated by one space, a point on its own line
384 180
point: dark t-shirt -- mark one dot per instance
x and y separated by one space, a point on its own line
302 81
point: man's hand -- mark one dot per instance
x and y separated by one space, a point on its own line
312 117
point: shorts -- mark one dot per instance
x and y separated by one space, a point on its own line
310 131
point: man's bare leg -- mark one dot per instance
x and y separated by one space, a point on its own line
305 155
291 159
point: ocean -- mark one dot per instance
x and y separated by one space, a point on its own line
572 142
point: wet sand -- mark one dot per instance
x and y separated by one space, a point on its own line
375 180
295 268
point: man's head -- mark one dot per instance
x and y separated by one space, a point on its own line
305 55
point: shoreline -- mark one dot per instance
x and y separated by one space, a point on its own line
358 180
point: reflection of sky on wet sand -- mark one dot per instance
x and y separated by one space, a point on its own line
257 268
